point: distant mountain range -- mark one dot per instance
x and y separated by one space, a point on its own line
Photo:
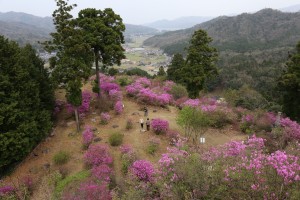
262 30
294 8
25 28
252 47
179 23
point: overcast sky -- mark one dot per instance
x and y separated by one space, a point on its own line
144 11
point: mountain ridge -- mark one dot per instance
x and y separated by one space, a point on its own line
264 29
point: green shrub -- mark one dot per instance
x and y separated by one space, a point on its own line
127 160
61 184
138 72
129 124
246 127
61 158
219 119
123 81
151 149
178 91
153 145
116 139
246 98
112 71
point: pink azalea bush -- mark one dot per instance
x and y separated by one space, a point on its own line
107 87
150 93
102 173
90 190
167 86
85 105
87 136
125 149
96 155
192 103
208 108
104 117
160 126
143 170
291 128
118 107
115 95
6 190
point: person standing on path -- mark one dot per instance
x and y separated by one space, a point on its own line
142 124
145 112
148 124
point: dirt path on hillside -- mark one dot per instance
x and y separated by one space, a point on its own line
39 163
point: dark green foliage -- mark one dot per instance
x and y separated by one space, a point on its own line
253 48
112 71
116 139
161 71
103 31
138 72
123 81
289 83
178 91
26 101
73 61
174 69
61 158
246 97
151 148
199 66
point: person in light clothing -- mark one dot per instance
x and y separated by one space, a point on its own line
142 124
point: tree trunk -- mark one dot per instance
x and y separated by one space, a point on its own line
97 71
77 119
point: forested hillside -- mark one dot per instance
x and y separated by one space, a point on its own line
25 28
263 30
253 47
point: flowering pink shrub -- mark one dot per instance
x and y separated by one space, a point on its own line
234 149
119 107
192 103
168 161
102 172
125 148
90 191
105 117
87 136
248 119
160 126
208 108
115 95
146 95
143 81
85 105
97 154
141 89
291 128
168 86
106 86
6 190
143 170
173 134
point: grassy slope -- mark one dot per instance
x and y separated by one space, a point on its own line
138 140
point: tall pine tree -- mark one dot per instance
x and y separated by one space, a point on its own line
177 63
73 61
199 66
103 31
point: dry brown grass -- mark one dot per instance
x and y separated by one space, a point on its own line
34 165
